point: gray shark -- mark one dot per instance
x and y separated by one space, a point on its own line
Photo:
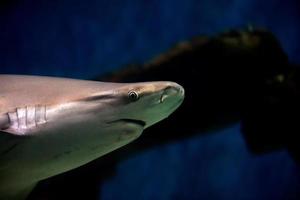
51 125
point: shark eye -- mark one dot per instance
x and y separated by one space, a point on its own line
133 95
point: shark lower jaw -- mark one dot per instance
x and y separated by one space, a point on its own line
130 121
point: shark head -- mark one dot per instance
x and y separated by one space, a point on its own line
140 104
121 110
51 125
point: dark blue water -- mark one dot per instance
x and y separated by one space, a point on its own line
82 39
216 166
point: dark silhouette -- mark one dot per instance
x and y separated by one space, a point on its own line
238 75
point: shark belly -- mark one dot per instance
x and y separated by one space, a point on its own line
29 160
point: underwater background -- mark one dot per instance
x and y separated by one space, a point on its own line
84 39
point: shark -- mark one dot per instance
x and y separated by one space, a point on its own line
50 125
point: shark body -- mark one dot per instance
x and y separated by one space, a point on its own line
51 125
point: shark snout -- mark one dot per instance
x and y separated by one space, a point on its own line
172 90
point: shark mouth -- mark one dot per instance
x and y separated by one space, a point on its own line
133 121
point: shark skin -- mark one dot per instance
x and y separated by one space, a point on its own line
51 125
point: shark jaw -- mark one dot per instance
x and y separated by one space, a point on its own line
49 131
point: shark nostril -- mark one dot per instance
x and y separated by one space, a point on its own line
162 98
171 91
